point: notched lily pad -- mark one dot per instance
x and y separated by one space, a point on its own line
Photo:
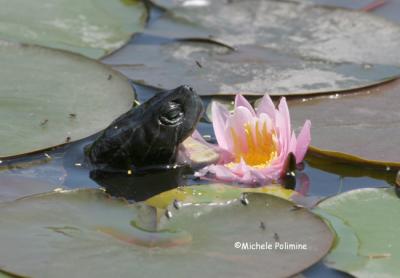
77 233
357 127
336 35
50 97
91 28
251 70
367 232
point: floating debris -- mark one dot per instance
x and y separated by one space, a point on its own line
198 64
296 207
44 122
276 237
177 204
244 200
168 214
379 256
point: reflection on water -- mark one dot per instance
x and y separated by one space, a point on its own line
140 184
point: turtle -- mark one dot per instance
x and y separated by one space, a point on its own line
148 134
135 157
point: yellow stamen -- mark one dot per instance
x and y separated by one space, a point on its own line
261 147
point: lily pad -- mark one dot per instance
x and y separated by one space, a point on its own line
312 31
357 127
352 4
50 97
91 28
13 187
251 70
367 230
77 233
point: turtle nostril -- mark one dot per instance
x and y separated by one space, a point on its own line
189 88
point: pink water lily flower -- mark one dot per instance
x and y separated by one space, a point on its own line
256 143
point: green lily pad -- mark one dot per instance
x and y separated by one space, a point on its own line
357 127
251 70
77 233
312 31
367 232
50 97
215 192
91 28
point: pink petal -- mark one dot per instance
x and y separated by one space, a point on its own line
292 144
258 177
241 116
303 141
219 119
283 125
273 171
242 101
265 118
267 107
284 111
241 168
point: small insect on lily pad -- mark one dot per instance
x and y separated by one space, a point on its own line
78 233
366 224
358 127
51 97
91 28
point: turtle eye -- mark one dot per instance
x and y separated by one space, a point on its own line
171 113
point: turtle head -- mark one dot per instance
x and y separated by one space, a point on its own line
150 133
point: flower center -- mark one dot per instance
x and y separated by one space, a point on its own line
259 147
